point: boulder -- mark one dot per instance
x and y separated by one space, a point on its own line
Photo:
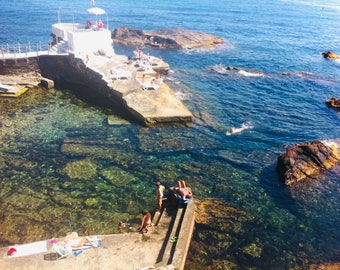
47 83
173 38
330 55
333 102
306 160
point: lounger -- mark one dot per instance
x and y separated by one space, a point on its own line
61 251
150 86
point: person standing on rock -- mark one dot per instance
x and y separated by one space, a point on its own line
159 195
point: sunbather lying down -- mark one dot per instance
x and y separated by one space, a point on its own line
73 241
184 191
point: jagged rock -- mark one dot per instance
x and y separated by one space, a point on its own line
305 161
333 102
173 38
47 83
330 55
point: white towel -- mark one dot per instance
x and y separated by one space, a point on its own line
29 249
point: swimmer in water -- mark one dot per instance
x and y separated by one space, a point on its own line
234 130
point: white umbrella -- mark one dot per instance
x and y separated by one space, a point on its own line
96 11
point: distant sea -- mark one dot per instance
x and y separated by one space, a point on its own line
46 190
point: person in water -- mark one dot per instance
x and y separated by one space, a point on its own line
145 222
183 190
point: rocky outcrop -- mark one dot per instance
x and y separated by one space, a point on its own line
333 102
330 55
173 38
223 70
305 161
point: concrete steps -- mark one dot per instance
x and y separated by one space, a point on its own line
180 221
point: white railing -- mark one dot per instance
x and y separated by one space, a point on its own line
23 50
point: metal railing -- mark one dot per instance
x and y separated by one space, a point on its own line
24 50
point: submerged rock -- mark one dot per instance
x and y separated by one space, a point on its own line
220 230
305 161
172 38
81 169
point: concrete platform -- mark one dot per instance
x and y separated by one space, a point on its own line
150 106
153 250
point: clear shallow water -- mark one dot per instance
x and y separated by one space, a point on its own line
64 168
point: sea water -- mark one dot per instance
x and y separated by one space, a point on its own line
64 168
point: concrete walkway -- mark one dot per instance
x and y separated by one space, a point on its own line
153 250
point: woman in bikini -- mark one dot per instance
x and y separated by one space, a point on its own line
146 222
183 190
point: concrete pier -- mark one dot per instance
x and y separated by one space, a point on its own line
120 81
133 90
153 250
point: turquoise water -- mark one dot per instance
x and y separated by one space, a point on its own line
64 168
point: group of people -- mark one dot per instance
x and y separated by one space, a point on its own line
146 221
98 25
180 187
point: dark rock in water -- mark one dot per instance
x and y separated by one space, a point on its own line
173 38
47 83
305 161
333 102
330 55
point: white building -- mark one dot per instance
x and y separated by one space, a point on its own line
82 39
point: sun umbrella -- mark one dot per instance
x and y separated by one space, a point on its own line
96 11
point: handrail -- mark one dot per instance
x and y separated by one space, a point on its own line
21 50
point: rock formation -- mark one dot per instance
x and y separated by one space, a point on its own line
223 70
174 38
330 55
306 160
333 102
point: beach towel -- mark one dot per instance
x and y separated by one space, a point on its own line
29 249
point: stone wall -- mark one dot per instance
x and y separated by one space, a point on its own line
18 66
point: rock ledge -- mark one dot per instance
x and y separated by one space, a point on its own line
172 38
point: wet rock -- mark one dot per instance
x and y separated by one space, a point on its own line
47 83
305 161
172 38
